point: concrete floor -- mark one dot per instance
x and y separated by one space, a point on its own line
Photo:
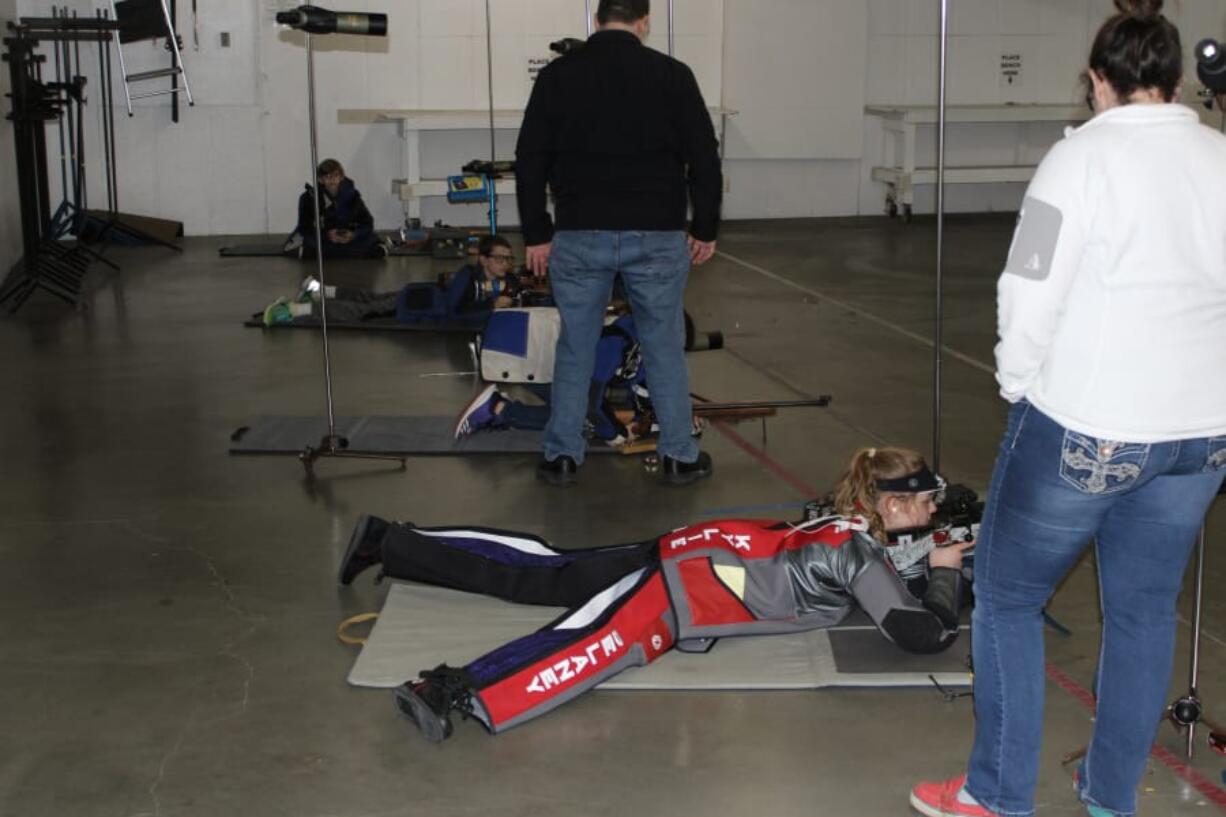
168 611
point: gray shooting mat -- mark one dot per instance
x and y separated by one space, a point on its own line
421 627
384 435
256 321
277 250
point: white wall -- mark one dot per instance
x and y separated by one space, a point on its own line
796 71
10 212
236 162
1052 36
799 70
898 49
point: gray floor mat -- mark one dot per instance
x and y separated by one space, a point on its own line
384 435
421 627
373 325
254 251
277 249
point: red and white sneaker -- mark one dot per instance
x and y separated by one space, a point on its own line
940 799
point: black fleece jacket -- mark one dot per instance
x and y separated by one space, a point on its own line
621 135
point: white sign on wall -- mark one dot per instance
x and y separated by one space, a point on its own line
535 64
1010 70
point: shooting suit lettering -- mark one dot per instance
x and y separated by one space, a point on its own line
629 604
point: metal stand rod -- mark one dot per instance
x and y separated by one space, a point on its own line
489 52
1194 667
332 445
59 122
1188 711
319 244
83 201
587 7
672 44
940 293
109 101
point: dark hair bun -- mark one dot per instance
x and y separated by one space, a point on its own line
1141 9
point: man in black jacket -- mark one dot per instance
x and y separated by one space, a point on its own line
622 137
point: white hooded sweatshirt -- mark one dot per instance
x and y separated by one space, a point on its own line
1112 306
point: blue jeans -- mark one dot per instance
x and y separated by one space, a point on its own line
653 267
1052 491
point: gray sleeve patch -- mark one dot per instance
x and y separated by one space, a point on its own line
1034 242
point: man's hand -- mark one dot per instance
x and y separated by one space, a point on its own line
340 236
949 556
538 259
700 251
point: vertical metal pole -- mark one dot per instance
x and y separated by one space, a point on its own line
940 292
83 204
69 118
489 60
1196 620
106 144
59 121
587 7
109 101
319 244
172 25
672 44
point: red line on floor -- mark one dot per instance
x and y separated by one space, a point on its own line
806 490
1212 792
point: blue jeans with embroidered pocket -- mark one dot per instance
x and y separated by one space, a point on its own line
1053 491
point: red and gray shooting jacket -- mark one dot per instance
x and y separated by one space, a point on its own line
750 577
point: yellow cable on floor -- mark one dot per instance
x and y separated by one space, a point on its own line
352 640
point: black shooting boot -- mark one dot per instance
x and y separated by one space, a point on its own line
365 548
676 472
561 471
429 702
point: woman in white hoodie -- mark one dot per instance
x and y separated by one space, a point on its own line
1112 324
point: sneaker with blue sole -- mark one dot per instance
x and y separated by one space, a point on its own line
479 413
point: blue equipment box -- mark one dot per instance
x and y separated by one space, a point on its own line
467 189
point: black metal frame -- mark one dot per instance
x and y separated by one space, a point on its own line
48 264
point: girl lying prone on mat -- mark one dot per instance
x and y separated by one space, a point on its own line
629 604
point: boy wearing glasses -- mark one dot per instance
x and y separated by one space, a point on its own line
472 292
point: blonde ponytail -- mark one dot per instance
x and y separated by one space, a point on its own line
856 492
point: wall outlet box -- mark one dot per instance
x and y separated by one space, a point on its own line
225 39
